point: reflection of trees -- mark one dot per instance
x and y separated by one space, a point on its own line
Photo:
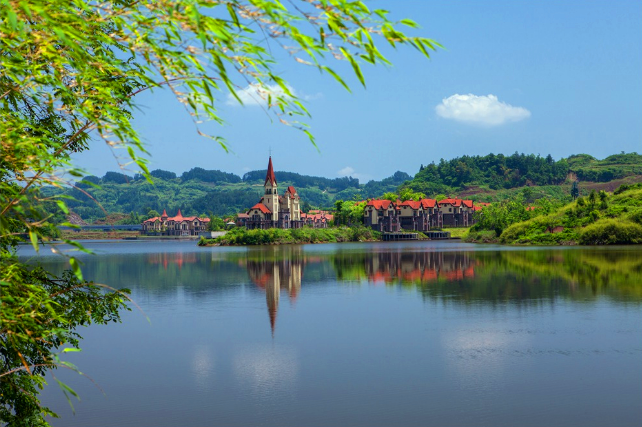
519 276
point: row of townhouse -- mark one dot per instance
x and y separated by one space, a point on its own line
178 225
422 215
317 218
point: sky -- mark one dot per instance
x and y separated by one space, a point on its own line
555 77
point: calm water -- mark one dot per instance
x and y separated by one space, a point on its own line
411 334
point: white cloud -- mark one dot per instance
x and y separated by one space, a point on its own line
257 95
347 171
483 110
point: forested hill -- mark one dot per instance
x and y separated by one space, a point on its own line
200 191
496 172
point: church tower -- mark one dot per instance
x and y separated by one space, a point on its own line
271 195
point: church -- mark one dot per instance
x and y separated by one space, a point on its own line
273 210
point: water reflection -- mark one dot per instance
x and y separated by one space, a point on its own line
488 277
276 270
526 277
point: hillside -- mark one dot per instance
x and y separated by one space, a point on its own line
207 192
495 177
599 219
481 178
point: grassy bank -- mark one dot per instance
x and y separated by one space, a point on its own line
277 236
98 235
457 233
600 219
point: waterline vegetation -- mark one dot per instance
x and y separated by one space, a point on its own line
599 219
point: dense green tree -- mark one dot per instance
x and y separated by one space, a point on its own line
159 173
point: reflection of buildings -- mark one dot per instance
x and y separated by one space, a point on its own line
178 258
418 266
275 275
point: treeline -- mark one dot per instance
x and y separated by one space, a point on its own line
299 180
206 192
497 171
588 168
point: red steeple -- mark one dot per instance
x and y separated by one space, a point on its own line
270 174
164 215
179 214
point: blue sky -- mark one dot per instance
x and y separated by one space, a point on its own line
559 77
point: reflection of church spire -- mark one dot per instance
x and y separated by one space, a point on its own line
274 275
272 290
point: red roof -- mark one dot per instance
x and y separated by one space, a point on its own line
261 207
178 218
270 173
243 215
292 191
428 203
379 204
467 203
454 202
413 204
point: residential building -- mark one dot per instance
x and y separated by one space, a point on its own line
178 225
382 215
317 218
422 215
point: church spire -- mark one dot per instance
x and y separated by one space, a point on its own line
270 174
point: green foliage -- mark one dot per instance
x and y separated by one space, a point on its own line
597 219
216 223
497 172
349 212
212 176
393 197
611 232
276 236
159 173
408 194
498 216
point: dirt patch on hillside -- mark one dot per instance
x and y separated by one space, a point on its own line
611 185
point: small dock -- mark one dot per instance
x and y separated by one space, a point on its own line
389 237
438 235
432 235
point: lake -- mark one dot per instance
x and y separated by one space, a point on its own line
364 334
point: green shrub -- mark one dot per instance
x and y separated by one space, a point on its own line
611 232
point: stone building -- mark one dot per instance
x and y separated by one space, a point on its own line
178 225
273 210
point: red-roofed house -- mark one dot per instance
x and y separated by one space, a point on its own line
178 225
382 215
317 218
456 212
274 211
418 215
